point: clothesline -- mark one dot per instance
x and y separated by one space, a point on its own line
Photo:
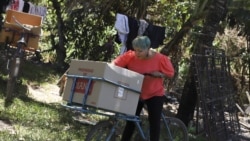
128 28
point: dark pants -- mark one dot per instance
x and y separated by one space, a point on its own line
154 106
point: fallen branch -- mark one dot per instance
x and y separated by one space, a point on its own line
238 106
248 96
245 125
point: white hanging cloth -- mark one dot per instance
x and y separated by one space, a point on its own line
121 25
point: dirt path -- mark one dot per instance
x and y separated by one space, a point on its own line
48 93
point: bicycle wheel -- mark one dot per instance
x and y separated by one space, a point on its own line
174 131
14 68
102 130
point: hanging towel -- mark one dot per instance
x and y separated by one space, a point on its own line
121 25
156 34
37 10
133 27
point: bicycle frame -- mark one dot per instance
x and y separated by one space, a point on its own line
84 107
143 134
14 59
166 126
114 117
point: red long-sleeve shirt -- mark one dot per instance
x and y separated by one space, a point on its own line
151 86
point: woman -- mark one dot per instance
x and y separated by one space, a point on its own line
155 67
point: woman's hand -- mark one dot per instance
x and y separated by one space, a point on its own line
156 74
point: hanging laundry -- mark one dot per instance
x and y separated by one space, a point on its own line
37 10
26 7
133 28
156 34
121 25
129 28
16 5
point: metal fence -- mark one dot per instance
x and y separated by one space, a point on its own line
216 95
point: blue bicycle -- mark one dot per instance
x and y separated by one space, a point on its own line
111 129
172 129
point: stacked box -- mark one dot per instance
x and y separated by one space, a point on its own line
34 22
102 94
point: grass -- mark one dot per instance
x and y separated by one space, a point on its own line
40 122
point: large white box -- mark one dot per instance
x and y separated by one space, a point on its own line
111 96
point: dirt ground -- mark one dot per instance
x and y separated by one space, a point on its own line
48 93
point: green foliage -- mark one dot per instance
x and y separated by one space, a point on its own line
88 24
89 33
170 14
85 27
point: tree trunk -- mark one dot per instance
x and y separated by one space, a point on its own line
60 49
216 13
3 4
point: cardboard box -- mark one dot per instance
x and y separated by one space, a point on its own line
24 18
105 95
12 31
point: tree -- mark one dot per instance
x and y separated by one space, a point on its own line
216 13
60 46
82 27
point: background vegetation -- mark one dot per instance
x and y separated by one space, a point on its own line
79 28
